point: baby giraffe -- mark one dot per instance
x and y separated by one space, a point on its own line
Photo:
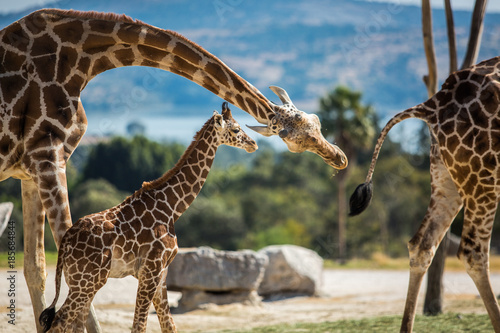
137 237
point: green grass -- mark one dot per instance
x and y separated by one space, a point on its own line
50 259
381 261
449 323
377 261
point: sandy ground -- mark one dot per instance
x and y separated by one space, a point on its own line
344 294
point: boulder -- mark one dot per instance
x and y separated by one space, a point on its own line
208 276
5 212
292 270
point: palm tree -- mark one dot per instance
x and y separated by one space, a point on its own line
351 125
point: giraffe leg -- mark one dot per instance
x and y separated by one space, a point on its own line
52 187
444 205
73 314
474 252
68 317
82 319
91 323
160 302
149 279
64 321
34 253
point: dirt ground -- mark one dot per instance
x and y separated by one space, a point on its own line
344 294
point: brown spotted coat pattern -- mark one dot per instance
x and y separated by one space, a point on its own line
464 121
137 237
46 60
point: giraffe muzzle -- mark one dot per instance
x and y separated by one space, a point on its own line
332 155
252 147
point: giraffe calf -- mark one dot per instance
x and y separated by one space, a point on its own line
137 237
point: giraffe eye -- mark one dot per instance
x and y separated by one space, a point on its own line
235 130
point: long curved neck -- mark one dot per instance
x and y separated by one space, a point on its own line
182 184
107 41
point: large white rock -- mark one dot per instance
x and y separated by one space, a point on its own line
292 270
208 276
207 269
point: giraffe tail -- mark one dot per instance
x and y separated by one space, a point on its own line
362 196
47 316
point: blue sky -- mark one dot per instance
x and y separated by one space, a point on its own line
7 6
493 5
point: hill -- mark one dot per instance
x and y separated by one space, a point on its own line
306 47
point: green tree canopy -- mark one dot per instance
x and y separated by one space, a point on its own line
128 163
345 119
93 196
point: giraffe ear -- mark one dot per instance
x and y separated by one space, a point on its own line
219 121
282 94
263 130
226 111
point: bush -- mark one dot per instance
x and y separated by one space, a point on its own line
93 196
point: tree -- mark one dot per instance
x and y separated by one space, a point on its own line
127 163
434 293
93 196
135 128
352 126
211 221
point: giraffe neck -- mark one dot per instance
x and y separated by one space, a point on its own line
182 184
95 42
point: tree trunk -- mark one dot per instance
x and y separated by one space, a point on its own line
476 31
434 295
431 79
433 304
452 44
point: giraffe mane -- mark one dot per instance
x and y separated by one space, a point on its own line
147 186
93 15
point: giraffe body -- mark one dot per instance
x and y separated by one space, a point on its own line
464 122
46 60
137 237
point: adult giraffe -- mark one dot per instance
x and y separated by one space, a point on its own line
49 56
464 120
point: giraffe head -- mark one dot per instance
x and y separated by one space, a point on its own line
301 131
230 132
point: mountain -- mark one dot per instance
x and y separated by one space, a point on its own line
307 47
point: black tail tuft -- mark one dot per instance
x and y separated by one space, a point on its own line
47 317
361 198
